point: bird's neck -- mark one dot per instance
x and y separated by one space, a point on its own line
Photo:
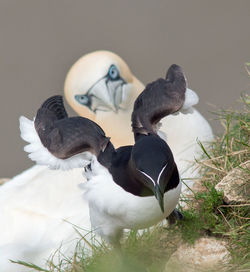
117 125
138 88
105 158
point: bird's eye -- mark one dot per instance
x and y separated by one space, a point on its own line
83 99
113 72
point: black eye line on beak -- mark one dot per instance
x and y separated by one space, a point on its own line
107 78
89 96
89 103
95 110
123 82
118 77
89 90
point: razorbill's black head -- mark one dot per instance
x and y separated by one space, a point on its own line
154 165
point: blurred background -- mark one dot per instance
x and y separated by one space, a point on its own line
40 40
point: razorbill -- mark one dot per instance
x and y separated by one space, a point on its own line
132 187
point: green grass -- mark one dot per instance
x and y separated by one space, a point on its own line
212 216
205 214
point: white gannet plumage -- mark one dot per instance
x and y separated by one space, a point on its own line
39 206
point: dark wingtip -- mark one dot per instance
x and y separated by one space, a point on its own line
55 105
159 99
174 72
51 110
48 102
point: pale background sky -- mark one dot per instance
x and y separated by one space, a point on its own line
41 39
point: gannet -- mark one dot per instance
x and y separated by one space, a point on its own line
106 95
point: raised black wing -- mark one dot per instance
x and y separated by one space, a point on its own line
65 137
159 99
61 138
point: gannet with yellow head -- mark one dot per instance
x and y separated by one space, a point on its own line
101 87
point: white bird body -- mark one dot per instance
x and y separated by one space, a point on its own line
112 208
39 206
192 128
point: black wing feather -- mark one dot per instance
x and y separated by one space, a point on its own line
65 137
55 105
159 99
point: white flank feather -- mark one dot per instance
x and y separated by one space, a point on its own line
41 155
110 215
160 133
191 99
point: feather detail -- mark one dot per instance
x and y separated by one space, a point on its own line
41 155
191 99
160 98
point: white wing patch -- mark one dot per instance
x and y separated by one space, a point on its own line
41 155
